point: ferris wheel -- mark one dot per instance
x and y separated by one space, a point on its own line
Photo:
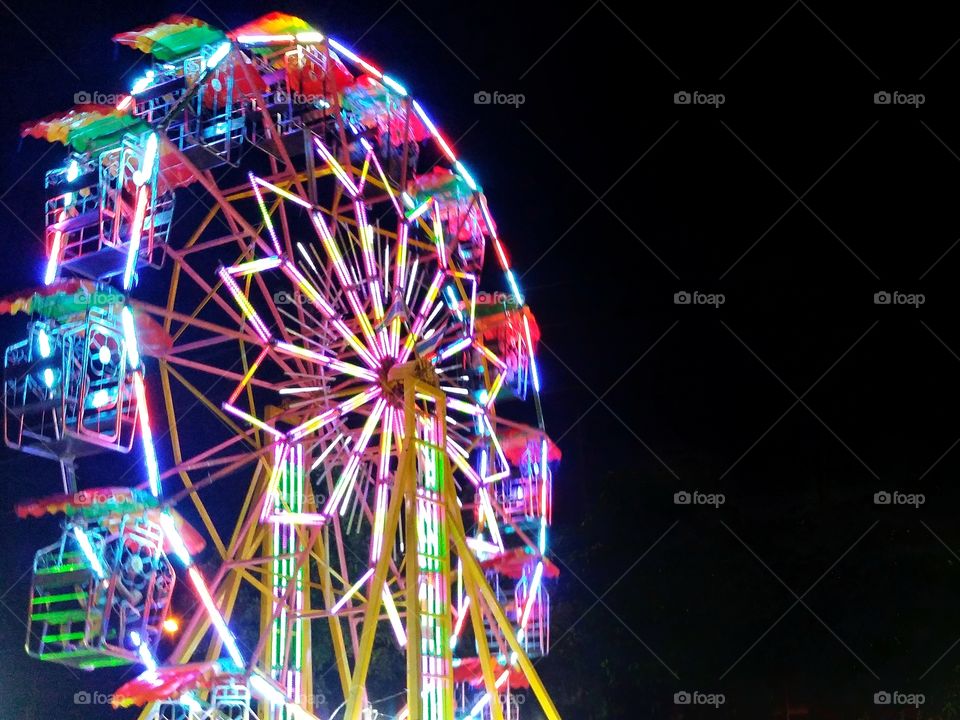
334 371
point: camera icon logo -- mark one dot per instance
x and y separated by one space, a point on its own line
682 298
682 498
882 298
283 298
882 698
682 98
882 98
682 698
882 498
82 97
82 698
482 97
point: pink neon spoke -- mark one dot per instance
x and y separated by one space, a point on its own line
346 281
382 492
351 592
328 312
420 322
255 266
340 410
266 215
282 193
347 477
256 422
255 320
386 184
336 167
333 363
250 373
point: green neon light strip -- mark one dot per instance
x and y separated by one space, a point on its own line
60 616
57 569
57 598
62 637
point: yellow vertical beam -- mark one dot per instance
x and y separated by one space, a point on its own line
406 485
336 630
371 615
472 568
486 663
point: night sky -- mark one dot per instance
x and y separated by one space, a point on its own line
785 385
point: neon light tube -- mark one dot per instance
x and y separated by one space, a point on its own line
283 193
533 360
176 541
486 697
347 478
412 215
256 422
246 378
465 175
351 592
464 407
494 390
215 617
130 336
458 628
296 518
394 616
482 546
323 455
336 167
136 231
433 130
53 261
145 171
149 452
455 347
344 50
513 286
279 458
267 691
265 39
255 266
259 327
333 363
88 552
219 54
531 595
43 343
393 85
142 84
143 651
266 215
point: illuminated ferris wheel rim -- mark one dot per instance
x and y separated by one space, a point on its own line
376 351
